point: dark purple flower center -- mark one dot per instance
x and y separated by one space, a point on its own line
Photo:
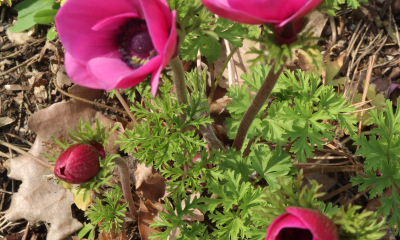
135 45
294 233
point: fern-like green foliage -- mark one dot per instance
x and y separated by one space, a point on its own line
108 217
173 220
269 165
199 29
232 191
301 114
160 140
207 40
332 5
362 226
382 158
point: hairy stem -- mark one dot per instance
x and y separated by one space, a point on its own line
126 184
179 83
18 150
209 136
180 88
257 104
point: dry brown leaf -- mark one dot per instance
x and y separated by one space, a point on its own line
145 218
149 183
146 174
76 238
241 62
153 192
3 64
62 77
5 121
173 234
316 23
154 207
113 236
17 87
197 215
40 93
20 38
38 199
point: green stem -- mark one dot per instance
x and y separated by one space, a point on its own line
257 104
179 83
181 92
209 135
126 184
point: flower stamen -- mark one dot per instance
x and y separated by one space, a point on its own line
136 47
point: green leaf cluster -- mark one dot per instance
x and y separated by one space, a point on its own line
161 140
206 37
108 216
332 5
32 12
382 158
269 165
83 135
362 226
232 193
300 115
195 230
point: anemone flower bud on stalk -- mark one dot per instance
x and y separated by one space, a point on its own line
99 148
78 164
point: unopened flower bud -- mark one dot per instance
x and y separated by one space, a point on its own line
100 149
78 164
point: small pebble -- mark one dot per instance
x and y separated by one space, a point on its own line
352 27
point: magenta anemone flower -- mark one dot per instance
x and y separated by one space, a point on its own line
115 44
302 224
286 15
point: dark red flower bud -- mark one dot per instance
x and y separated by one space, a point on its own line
78 164
100 149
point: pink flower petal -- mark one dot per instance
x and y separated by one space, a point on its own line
113 73
303 11
222 8
113 23
78 73
320 225
261 11
393 86
269 10
283 221
169 50
158 22
76 32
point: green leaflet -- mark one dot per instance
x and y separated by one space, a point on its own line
381 153
27 11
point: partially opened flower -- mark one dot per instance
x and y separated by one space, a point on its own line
302 224
78 164
116 44
286 15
